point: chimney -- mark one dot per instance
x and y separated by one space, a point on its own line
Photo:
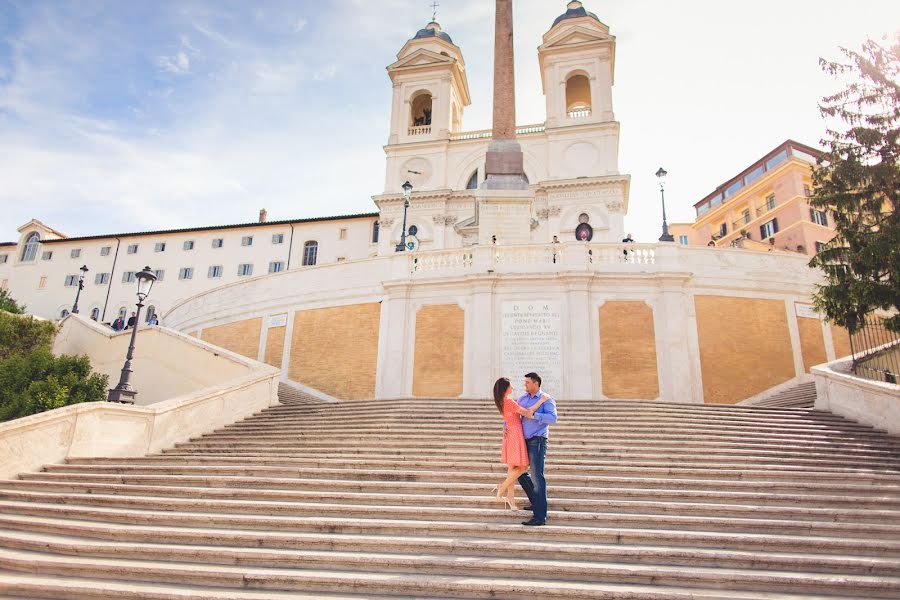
262 215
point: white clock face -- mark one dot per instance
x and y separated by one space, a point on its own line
417 171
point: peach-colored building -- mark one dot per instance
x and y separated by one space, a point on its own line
764 207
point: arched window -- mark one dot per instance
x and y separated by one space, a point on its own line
95 314
578 96
151 310
310 253
473 181
64 313
375 231
420 112
32 242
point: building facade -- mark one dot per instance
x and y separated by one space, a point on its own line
764 207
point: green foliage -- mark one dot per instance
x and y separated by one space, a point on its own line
9 304
32 380
21 335
38 381
858 179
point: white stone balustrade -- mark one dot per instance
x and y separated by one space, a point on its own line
420 130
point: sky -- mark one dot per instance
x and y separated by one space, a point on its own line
155 114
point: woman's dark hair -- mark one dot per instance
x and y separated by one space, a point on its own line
500 387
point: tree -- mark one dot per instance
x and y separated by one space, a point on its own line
858 179
8 304
32 379
21 335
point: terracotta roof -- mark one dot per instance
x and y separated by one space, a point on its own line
214 227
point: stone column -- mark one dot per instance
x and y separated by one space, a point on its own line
504 157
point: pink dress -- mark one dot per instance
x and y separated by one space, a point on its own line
514 452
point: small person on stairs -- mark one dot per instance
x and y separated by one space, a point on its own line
514 453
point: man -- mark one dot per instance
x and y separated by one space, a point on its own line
132 320
536 426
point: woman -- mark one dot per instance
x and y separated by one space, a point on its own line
514 453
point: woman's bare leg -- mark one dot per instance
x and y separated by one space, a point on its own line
512 475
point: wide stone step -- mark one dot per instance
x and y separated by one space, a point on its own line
281 428
673 455
561 493
536 548
82 588
709 469
191 563
704 522
566 437
554 478
506 530
712 506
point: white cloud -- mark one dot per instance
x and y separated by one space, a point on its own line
299 25
180 64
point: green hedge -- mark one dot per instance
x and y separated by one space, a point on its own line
32 380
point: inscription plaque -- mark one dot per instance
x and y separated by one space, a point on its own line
531 342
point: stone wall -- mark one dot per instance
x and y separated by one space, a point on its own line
628 351
745 346
438 361
335 350
241 337
812 342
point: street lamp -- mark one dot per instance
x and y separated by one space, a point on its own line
407 189
83 270
124 392
666 236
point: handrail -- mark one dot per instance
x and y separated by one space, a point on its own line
875 349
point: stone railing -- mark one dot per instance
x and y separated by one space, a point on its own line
536 257
488 133
873 403
579 113
223 388
419 130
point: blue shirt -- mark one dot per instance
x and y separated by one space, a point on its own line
543 417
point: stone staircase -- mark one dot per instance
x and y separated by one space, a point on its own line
392 499
800 396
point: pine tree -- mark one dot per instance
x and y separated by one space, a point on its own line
858 179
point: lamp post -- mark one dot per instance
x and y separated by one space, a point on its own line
666 236
83 270
407 189
124 392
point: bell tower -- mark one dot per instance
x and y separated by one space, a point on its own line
577 61
430 89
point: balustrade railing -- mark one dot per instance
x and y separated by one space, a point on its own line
488 133
533 257
420 130
579 113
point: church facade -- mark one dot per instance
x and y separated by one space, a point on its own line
492 282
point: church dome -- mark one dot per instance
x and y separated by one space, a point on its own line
574 10
433 29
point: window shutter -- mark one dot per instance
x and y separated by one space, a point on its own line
825 218
775 225
812 215
762 232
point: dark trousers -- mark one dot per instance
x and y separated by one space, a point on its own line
533 481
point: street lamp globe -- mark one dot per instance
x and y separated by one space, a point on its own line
145 279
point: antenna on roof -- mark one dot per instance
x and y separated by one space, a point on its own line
434 6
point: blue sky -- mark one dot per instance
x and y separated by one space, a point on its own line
122 116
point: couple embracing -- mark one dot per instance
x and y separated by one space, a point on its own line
526 429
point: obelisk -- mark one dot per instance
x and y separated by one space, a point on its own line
504 200
504 168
